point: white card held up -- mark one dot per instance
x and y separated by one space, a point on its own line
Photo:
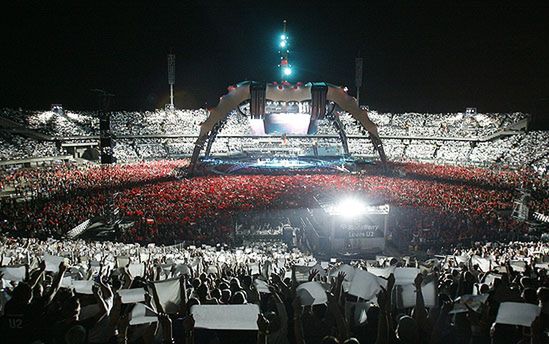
483 263
406 297
142 314
52 262
347 269
83 287
136 269
132 295
516 313
122 261
13 273
311 293
169 294
66 282
226 317
382 272
405 275
364 285
472 301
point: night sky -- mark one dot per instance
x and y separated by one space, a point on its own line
430 57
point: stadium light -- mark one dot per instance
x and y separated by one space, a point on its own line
287 71
349 208
283 37
283 44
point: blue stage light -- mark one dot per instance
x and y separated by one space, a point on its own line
287 71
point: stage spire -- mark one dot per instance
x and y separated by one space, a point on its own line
284 52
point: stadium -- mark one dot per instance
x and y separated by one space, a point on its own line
289 212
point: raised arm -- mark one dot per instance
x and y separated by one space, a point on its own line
420 313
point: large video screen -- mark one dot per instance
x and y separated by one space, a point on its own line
283 118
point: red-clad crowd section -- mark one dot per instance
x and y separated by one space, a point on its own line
452 203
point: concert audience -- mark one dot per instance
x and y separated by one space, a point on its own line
103 292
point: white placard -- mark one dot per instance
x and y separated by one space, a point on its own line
311 293
66 282
483 263
254 268
473 301
382 272
364 285
136 269
182 269
405 276
516 313
226 317
408 295
347 269
142 314
169 294
83 287
132 295
14 273
518 265
52 262
122 261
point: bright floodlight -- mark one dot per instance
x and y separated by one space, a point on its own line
349 207
283 44
287 71
283 37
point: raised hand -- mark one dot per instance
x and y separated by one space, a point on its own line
382 299
276 278
418 281
341 277
263 324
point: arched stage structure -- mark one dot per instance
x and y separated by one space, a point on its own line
318 95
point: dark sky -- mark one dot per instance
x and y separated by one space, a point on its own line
418 55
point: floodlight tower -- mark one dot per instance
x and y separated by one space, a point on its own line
171 76
285 66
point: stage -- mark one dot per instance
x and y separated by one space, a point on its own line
245 164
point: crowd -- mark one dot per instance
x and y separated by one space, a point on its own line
520 149
74 292
16 147
187 122
51 200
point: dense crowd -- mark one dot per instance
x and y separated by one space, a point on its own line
187 122
74 292
446 199
400 132
16 147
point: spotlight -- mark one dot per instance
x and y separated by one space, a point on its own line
287 71
349 208
283 37
283 44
